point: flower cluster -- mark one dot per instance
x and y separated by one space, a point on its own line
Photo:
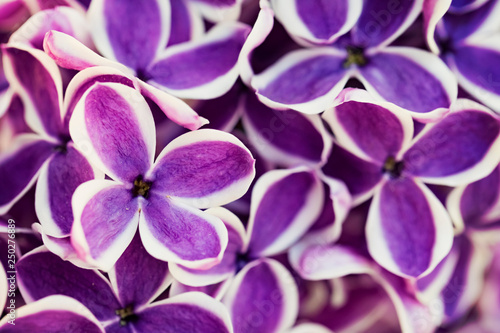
272 166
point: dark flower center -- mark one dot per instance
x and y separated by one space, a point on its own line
355 56
126 315
141 187
393 167
242 259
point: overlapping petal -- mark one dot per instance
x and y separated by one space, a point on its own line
285 203
272 306
201 69
173 231
304 80
204 168
408 230
113 127
54 314
185 22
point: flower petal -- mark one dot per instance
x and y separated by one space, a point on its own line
204 168
113 127
433 11
319 22
40 274
106 219
408 230
285 137
219 10
190 312
54 314
413 79
20 167
68 52
303 80
471 63
128 31
202 69
227 267
62 18
471 130
214 290
360 176
138 278
382 21
186 23
272 304
175 232
37 80
285 203
476 205
370 129
57 182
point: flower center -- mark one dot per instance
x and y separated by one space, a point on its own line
242 260
141 187
126 315
393 167
355 56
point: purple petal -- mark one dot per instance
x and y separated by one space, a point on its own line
320 22
304 80
204 168
174 108
285 203
433 11
20 167
309 327
35 77
57 182
228 265
54 314
173 231
214 290
186 23
137 277
479 22
202 69
472 64
63 19
272 304
361 177
411 232
190 312
116 33
413 79
285 137
473 131
12 13
41 273
476 205
381 22
372 130
113 126
465 5
68 52
323 262
106 218
219 10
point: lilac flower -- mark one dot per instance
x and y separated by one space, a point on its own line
408 230
127 302
202 69
308 80
48 154
113 125
468 43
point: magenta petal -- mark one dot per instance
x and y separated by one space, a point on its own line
137 277
114 128
20 167
54 314
272 304
408 230
35 77
57 182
